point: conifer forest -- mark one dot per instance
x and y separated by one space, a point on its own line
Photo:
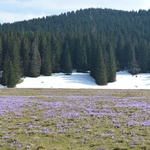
101 41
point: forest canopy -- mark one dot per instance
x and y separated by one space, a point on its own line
101 41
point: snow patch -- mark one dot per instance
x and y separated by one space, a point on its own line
124 80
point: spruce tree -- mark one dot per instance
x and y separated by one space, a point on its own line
81 55
66 59
46 68
111 65
0 54
133 66
128 51
16 59
11 69
5 70
120 53
35 62
26 46
88 51
93 57
55 51
142 52
1 71
12 76
100 68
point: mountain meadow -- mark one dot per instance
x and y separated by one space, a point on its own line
69 119
93 42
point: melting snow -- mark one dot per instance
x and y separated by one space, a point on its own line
124 80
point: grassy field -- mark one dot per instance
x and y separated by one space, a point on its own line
61 119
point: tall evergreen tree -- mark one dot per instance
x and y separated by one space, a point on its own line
111 65
16 60
45 50
66 59
26 47
0 54
93 57
81 55
55 51
120 53
128 51
11 68
35 60
1 58
88 50
133 66
12 76
142 53
100 68
5 75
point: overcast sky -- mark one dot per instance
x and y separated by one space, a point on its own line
18 10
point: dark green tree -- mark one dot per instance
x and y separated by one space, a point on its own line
100 68
133 66
88 50
55 51
111 64
1 55
120 53
142 53
1 58
35 60
11 76
93 59
26 47
66 59
11 67
81 58
45 50
128 51
5 75
15 58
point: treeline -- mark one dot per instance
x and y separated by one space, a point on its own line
99 40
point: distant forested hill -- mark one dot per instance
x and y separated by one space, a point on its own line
99 40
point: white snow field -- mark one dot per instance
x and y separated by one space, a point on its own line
124 80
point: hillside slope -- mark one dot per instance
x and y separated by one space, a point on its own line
100 40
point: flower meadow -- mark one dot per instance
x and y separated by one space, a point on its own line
74 119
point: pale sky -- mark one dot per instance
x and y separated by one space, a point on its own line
18 10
